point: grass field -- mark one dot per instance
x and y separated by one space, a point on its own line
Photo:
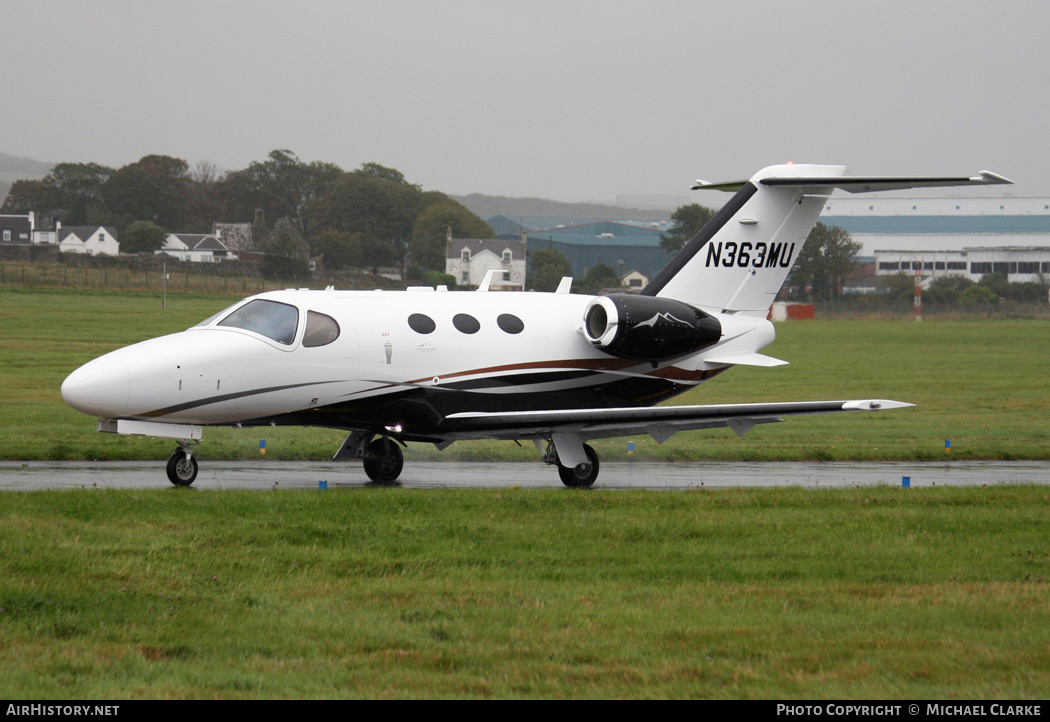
382 592
980 384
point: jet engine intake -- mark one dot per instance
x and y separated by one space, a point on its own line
647 328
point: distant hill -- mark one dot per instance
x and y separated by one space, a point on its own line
489 206
13 167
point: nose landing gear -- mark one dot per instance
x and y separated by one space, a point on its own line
182 467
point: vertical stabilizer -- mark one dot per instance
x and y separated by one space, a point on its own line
740 259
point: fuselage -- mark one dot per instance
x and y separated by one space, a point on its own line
372 360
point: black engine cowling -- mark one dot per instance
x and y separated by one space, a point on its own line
646 328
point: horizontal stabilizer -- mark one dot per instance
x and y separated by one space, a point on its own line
863 184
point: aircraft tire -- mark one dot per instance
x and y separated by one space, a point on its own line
583 475
383 461
182 469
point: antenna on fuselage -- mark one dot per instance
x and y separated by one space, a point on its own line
487 280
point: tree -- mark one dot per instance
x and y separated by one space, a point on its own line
997 283
686 222
204 205
825 262
436 278
30 195
339 248
374 170
431 228
142 237
148 190
382 210
282 185
76 192
899 286
976 293
945 289
287 255
599 277
547 268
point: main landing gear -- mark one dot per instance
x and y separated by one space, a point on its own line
182 467
383 460
580 476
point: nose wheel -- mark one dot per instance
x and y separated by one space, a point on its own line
182 467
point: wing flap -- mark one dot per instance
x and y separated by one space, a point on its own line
658 421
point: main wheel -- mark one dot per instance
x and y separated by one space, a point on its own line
383 460
582 475
182 468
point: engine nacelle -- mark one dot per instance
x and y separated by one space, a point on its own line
646 328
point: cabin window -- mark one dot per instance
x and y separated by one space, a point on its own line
273 320
465 323
421 324
509 323
321 330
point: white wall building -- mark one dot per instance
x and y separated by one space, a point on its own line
196 248
634 280
469 259
92 240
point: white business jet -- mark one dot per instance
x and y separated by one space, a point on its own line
427 365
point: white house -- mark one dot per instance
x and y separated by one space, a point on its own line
635 280
196 247
469 259
92 240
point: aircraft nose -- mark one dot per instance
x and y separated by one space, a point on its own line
99 388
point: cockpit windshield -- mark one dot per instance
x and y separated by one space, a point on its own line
208 321
274 320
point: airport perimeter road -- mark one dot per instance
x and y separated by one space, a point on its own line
31 475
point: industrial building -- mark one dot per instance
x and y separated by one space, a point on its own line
624 246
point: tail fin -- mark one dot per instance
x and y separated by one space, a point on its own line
740 259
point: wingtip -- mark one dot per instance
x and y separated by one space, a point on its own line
874 405
990 178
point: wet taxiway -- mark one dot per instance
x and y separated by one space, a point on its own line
262 474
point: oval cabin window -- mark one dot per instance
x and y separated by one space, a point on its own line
510 324
421 323
465 323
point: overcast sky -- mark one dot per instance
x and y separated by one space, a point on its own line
565 100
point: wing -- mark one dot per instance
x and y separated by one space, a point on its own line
660 422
